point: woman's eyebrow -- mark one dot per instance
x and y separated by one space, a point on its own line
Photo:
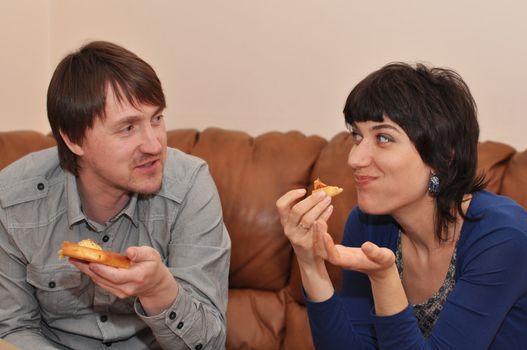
385 126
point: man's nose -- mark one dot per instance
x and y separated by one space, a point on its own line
150 142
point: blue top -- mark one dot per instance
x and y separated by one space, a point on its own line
486 310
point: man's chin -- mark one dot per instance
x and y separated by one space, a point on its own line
147 192
146 187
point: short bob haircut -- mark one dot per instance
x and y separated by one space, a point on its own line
77 91
435 108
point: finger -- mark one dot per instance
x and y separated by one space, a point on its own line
91 270
114 275
120 282
326 214
83 266
115 290
310 209
283 204
96 273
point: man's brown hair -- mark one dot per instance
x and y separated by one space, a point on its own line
77 91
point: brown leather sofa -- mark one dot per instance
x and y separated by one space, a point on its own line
266 309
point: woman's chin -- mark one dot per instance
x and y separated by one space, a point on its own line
370 207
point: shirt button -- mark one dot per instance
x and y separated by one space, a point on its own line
52 284
180 325
107 344
104 318
172 315
105 238
40 186
198 347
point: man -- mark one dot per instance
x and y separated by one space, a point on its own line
111 179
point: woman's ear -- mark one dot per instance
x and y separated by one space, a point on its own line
74 147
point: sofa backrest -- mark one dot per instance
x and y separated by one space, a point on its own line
265 303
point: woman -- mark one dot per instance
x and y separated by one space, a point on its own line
431 260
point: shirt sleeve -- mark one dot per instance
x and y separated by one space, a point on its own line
198 257
19 310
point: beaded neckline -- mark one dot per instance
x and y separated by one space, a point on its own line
428 312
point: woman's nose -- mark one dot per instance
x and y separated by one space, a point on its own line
360 155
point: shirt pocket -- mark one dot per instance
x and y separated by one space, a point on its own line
57 288
123 306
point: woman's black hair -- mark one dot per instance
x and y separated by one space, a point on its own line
435 108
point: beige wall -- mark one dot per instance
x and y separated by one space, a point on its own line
24 64
277 64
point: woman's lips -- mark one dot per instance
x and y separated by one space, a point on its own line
363 180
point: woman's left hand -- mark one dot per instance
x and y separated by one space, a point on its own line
375 261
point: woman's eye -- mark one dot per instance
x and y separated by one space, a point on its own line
356 136
384 138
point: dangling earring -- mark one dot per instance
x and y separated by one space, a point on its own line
433 184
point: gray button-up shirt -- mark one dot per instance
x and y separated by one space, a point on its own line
46 303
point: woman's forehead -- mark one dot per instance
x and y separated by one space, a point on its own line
386 121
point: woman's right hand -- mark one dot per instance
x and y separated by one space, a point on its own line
297 217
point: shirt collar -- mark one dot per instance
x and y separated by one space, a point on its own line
74 208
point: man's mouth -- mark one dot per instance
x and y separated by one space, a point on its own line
147 164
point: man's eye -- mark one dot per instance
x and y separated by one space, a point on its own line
157 119
128 129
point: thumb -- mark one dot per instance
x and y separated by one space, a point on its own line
144 253
379 255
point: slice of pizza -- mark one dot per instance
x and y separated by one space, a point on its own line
330 190
88 250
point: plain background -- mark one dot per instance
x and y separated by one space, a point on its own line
274 65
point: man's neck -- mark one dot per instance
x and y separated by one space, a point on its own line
101 204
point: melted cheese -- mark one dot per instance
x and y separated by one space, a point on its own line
88 243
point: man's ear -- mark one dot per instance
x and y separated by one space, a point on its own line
74 147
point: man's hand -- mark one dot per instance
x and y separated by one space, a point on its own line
147 278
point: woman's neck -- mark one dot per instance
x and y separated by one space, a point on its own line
419 225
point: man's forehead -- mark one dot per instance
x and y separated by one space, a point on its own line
119 102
